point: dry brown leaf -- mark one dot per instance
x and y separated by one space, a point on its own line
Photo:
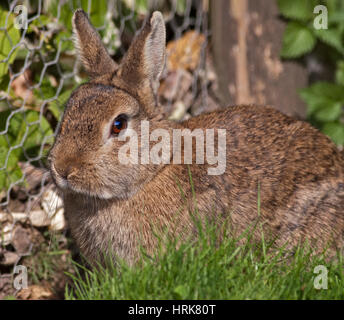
21 86
185 53
35 292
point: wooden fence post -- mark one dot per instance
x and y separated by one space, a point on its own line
246 42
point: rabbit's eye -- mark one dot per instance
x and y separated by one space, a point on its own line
119 124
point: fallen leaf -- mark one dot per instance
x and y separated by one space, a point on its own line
21 86
185 52
35 292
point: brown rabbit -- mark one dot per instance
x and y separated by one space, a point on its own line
297 171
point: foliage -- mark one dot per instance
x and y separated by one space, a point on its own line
9 38
26 133
325 100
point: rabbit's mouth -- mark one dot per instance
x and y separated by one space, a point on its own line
68 185
61 182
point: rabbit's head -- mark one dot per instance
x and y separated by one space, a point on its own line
84 158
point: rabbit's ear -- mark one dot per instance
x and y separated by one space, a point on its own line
92 52
145 59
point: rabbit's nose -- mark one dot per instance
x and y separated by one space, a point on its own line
64 170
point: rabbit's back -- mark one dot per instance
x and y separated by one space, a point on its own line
294 170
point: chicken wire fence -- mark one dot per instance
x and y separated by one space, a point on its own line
38 71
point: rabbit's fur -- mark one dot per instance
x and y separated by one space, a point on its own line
296 170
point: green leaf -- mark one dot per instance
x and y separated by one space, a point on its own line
330 112
98 11
45 90
64 37
335 131
336 17
27 130
57 106
340 73
13 127
297 40
8 39
4 81
181 6
324 89
40 22
63 10
33 132
10 172
333 6
331 37
297 9
323 95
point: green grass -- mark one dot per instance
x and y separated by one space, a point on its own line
207 269
45 262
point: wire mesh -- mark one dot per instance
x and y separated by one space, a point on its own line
39 69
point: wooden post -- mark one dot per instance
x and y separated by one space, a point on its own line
246 42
